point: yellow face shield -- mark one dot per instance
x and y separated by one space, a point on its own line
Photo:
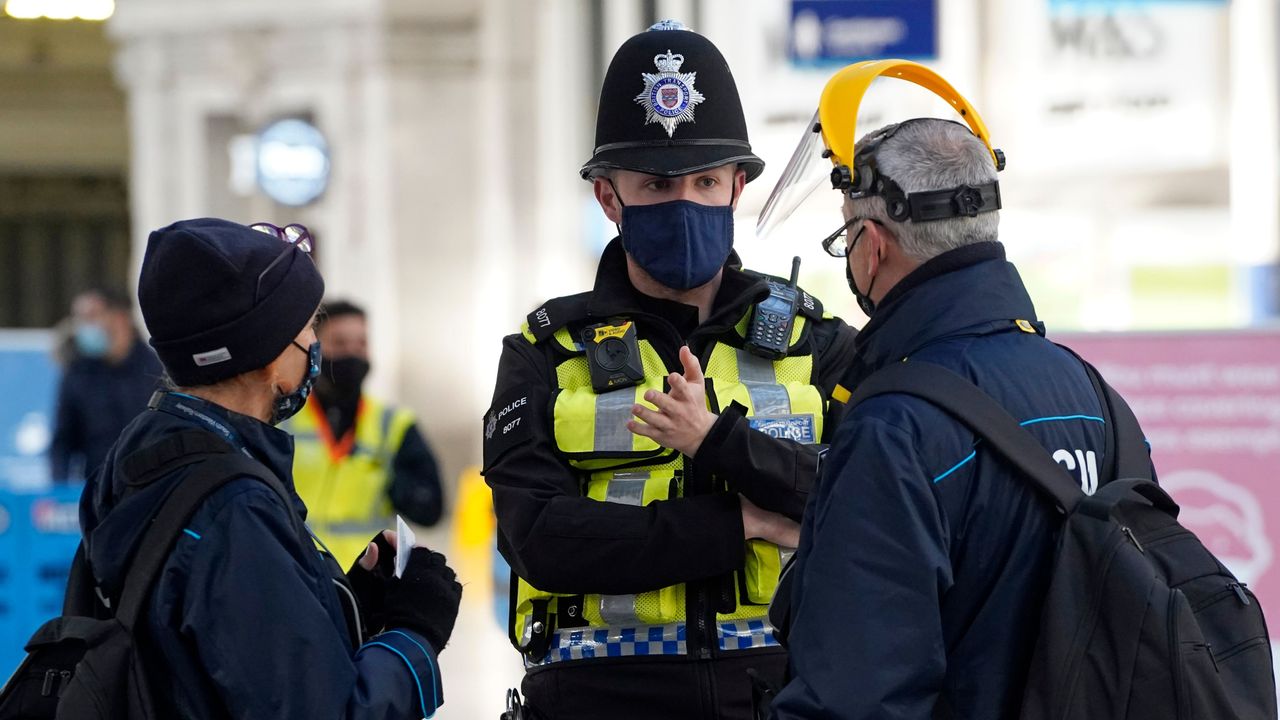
833 131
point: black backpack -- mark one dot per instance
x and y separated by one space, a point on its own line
1140 622
87 664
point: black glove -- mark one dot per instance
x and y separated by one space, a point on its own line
370 586
425 599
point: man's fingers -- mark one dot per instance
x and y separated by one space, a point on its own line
663 401
679 386
643 430
652 418
692 368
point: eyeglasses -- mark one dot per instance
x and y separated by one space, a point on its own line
837 244
293 235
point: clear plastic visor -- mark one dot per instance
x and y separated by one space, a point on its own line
805 172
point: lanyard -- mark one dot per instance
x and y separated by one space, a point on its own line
192 408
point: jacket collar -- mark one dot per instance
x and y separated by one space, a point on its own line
972 290
614 294
269 445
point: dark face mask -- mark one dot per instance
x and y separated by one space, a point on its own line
680 243
864 299
288 405
343 377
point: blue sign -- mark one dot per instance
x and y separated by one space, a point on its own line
38 540
28 384
39 522
838 32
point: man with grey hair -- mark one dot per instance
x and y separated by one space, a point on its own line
924 560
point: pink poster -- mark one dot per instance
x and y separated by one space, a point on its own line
1209 403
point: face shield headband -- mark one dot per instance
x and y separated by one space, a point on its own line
866 180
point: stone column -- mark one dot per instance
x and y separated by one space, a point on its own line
398 89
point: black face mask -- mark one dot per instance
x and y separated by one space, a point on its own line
343 376
864 299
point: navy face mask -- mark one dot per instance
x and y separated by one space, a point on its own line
680 243
286 406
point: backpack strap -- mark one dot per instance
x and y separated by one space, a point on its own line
1108 471
981 414
211 471
1125 439
79 599
145 466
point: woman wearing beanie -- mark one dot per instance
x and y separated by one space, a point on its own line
248 617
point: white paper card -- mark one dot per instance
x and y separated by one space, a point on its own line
404 543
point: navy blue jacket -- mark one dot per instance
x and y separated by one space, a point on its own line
95 401
923 561
245 618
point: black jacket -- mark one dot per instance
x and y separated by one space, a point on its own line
923 560
562 542
245 618
95 401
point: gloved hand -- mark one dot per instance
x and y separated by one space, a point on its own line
368 577
425 599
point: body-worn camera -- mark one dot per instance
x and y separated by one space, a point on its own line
613 355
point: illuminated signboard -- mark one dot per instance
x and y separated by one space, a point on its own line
292 162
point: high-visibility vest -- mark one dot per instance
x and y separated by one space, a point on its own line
619 466
344 481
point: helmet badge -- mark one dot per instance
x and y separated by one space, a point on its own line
669 96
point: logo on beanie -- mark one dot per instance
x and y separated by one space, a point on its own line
669 96
213 357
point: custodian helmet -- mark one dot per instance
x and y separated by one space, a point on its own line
669 106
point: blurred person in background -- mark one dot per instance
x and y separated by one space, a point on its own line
107 382
641 505
248 619
357 459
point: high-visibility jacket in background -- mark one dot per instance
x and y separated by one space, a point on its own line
345 481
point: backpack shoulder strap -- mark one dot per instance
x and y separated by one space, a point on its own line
212 471
1124 437
983 415
79 599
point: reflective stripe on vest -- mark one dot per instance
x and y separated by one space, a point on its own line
346 495
619 466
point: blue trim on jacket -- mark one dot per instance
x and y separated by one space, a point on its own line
1025 423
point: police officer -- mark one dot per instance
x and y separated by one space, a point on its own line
652 440
356 457
248 619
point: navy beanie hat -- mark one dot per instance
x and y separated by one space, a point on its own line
196 293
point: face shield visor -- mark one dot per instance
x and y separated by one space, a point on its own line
806 171
826 150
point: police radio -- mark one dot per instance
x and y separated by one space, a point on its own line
613 355
769 335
